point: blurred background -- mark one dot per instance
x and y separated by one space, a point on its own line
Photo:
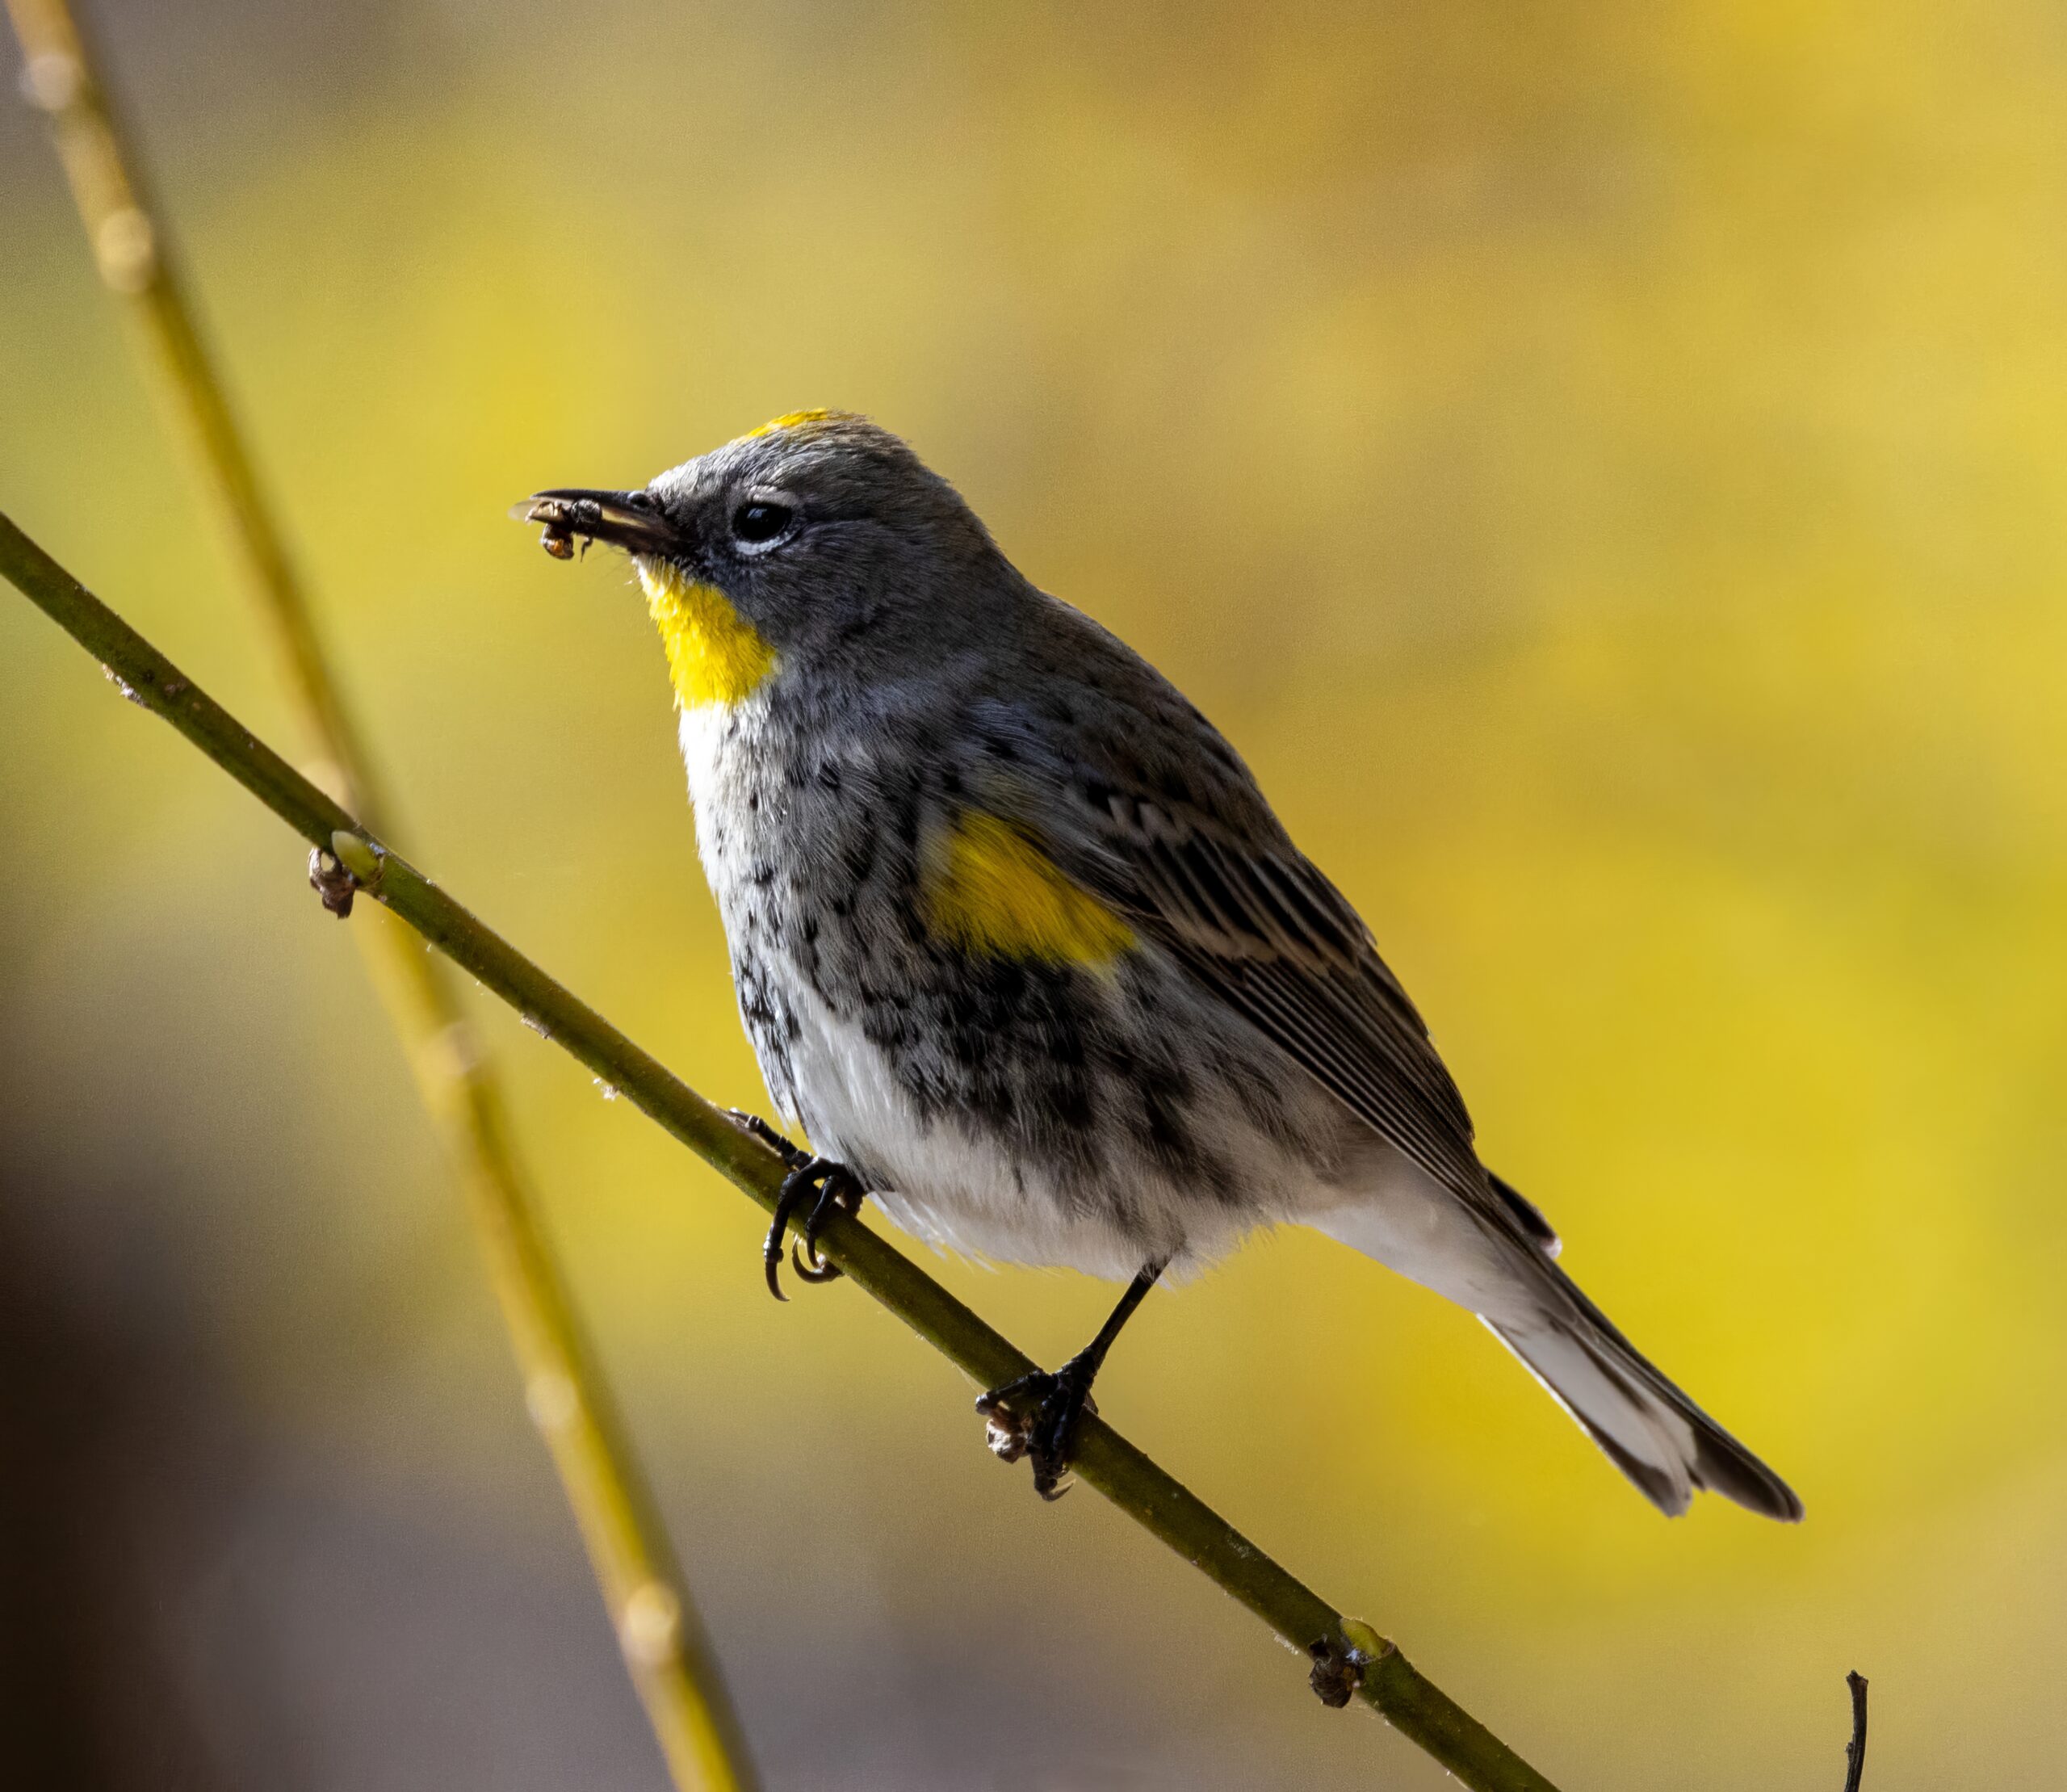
1606 468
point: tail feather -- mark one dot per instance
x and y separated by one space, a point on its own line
1500 1264
1648 1428
1530 1217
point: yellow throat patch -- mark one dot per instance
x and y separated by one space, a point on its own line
995 892
714 654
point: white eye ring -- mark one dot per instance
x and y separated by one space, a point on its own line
757 523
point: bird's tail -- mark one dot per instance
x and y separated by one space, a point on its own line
1650 1430
1501 1263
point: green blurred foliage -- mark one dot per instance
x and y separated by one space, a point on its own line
1604 467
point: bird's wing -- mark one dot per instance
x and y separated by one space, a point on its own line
1253 922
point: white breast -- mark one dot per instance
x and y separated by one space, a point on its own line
950 1187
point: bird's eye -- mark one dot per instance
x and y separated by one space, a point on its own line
761 522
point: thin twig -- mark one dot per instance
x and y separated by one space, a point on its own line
1348 1654
666 1649
1854 1751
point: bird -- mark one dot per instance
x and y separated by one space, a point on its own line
1024 953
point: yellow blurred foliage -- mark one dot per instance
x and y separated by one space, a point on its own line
1604 467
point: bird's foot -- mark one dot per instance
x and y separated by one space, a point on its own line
830 1187
834 1184
1037 1416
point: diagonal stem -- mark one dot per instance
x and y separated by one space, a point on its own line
669 1656
1854 1751
1352 1653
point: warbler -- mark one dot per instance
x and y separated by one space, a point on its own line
1024 952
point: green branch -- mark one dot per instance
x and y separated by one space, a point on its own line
1348 1655
671 1660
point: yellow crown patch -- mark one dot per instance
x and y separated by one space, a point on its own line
799 420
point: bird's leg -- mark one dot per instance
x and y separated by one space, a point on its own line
1036 1415
792 1156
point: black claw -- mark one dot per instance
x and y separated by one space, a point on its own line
818 1270
836 1190
796 1186
839 1192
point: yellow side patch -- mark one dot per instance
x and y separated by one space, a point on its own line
997 893
714 654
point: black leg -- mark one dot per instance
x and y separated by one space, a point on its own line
790 1155
1037 1415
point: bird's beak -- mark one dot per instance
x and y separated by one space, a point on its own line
630 520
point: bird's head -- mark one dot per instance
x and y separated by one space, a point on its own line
819 534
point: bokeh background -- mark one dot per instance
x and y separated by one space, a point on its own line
1606 467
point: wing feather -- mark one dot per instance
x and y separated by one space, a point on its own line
1255 924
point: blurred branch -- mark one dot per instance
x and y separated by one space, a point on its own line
1348 1657
669 1656
1854 1751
